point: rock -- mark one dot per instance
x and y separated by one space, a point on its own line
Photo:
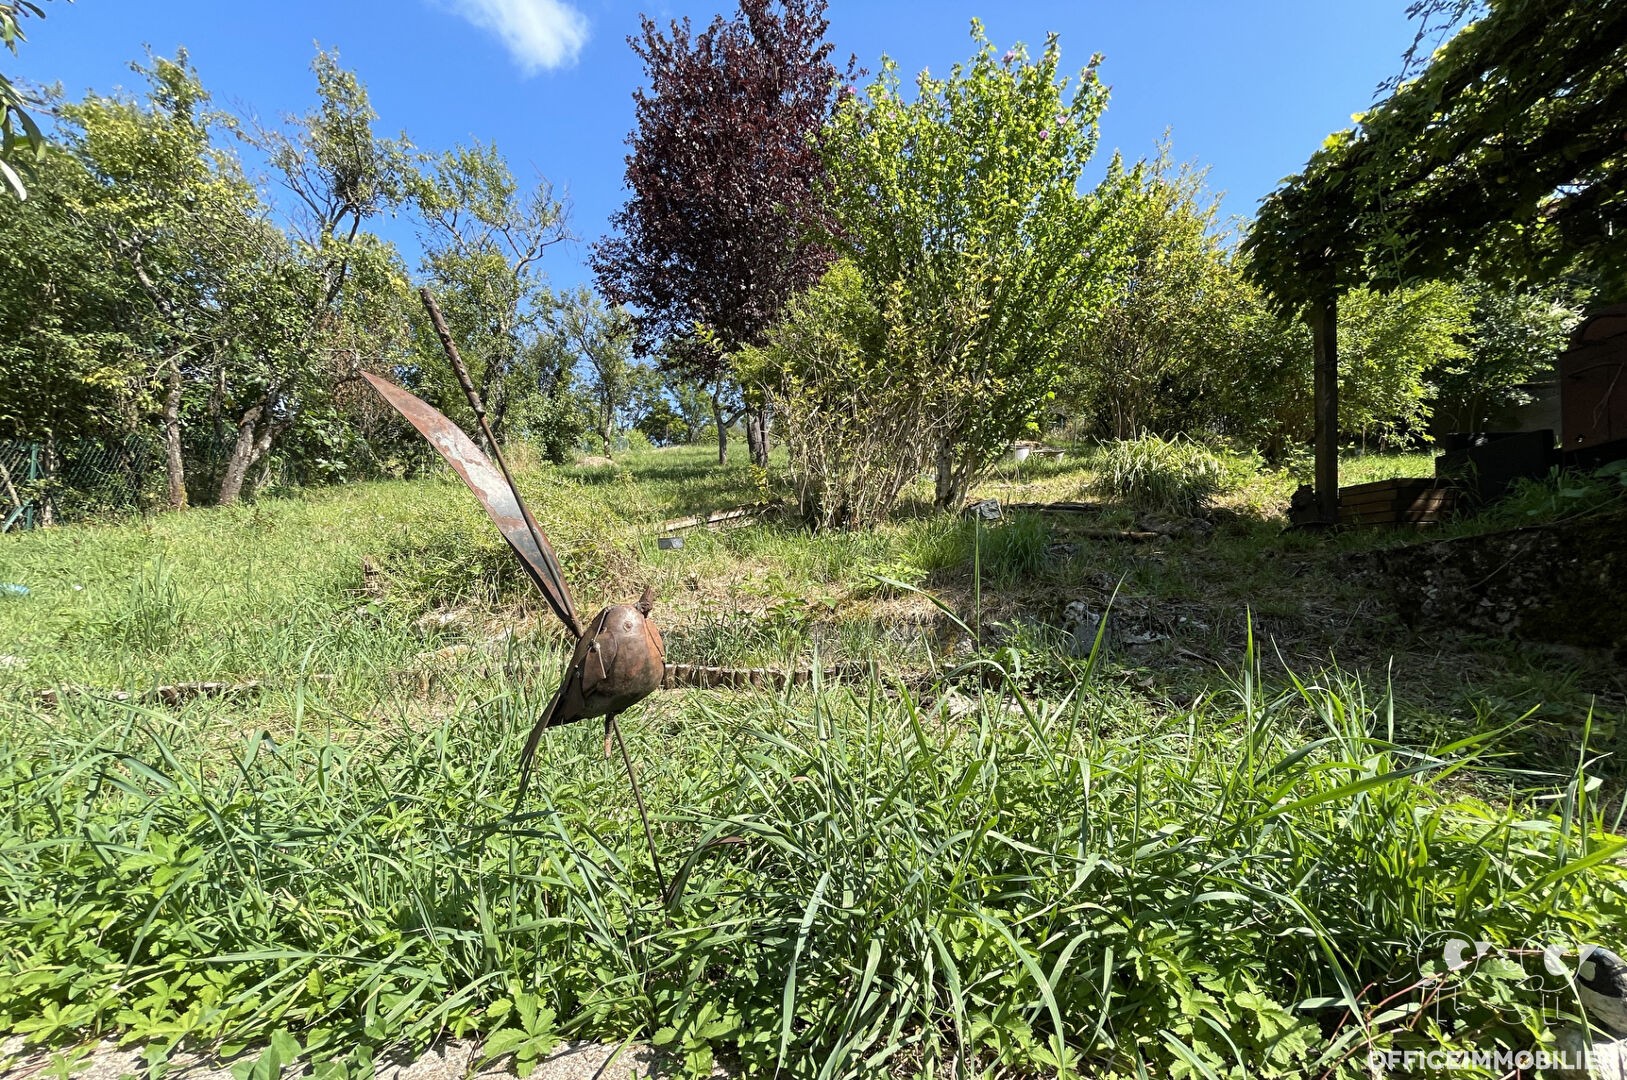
1563 582
1083 623
1608 1058
439 620
985 510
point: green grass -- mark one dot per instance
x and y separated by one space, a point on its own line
1163 476
1126 861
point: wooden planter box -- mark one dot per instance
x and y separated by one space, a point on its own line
1404 501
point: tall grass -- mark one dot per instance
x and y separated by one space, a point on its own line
1166 476
863 881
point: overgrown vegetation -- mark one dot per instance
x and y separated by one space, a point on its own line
1167 476
1064 845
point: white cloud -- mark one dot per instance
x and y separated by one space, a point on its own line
539 34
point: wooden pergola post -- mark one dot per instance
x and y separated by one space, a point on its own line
1324 320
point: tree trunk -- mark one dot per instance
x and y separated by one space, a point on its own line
237 466
722 428
262 476
174 465
953 479
253 440
757 434
48 468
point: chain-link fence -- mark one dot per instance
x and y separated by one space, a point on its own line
75 479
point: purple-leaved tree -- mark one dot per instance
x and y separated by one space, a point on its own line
723 173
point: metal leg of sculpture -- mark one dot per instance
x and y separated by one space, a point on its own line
638 797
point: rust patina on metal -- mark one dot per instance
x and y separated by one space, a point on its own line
619 659
512 519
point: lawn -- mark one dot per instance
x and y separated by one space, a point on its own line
1213 842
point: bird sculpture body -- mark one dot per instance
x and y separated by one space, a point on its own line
619 658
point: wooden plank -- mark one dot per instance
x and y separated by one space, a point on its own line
716 517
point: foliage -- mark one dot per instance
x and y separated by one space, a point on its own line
1163 476
484 239
1387 344
961 208
722 172
1014 550
601 339
1563 493
329 294
1513 337
857 427
1148 358
70 317
240 324
1391 345
1503 153
17 127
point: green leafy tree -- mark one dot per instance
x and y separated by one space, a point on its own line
1143 363
1389 343
857 424
962 208
1514 337
180 220
72 319
313 301
484 240
602 340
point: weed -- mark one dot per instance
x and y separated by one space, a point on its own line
1166 476
150 617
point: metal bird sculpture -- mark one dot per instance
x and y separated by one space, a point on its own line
619 658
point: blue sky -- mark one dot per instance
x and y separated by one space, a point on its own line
1247 87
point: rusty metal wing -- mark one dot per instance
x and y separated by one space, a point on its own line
511 517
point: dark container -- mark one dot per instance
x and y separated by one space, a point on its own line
1486 464
1593 382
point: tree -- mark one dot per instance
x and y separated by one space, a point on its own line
603 340
723 169
1389 344
1142 364
1503 153
1514 335
71 317
858 424
484 240
177 215
331 280
964 212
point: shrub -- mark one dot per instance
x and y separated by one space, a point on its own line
1166 476
856 430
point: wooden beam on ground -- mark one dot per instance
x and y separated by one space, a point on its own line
1324 320
716 517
